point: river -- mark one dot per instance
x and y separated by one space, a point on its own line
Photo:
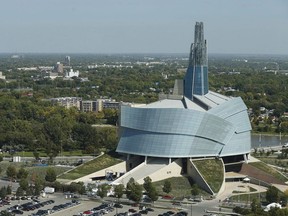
264 140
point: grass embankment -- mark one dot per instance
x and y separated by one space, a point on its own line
273 160
264 167
212 172
94 165
181 187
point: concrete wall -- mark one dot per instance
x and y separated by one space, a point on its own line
126 177
194 173
171 170
222 189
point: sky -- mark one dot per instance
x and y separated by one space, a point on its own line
142 26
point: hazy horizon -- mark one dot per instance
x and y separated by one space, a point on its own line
138 26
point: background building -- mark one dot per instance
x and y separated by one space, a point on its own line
71 73
67 102
67 61
2 76
59 67
91 106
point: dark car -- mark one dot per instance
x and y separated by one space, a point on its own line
183 213
150 209
17 211
176 203
170 212
144 211
132 210
118 205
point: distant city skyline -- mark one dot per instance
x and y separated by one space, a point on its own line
143 26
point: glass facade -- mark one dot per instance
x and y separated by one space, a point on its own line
175 132
196 81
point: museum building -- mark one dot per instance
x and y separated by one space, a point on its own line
193 122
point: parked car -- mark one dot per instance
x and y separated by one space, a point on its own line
118 205
167 197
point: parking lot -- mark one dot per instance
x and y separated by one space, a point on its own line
59 205
40 205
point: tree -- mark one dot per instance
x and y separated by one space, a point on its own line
272 194
119 190
153 194
19 191
256 207
167 188
134 190
111 115
85 135
147 184
9 190
23 183
81 187
150 189
283 200
1 158
22 173
11 172
50 175
102 190
3 192
36 155
38 186
29 191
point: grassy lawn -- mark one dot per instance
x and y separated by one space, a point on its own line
248 197
32 170
41 171
94 165
181 187
212 172
264 167
5 164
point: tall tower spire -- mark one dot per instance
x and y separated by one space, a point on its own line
196 78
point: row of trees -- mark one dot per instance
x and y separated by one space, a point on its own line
134 191
35 125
